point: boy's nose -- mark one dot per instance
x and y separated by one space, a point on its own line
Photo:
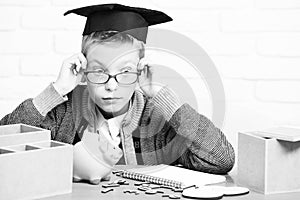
111 85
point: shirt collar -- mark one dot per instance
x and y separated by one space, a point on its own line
99 119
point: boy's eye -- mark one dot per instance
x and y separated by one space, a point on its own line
127 69
97 70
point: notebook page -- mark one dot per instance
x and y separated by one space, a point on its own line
186 176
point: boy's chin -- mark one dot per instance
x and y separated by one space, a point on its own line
113 111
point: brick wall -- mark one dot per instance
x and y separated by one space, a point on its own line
255 45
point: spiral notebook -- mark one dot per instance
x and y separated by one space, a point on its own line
172 176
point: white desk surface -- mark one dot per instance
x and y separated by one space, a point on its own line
85 191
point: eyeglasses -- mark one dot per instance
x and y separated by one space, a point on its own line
123 78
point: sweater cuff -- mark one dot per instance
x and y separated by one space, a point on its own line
48 99
167 102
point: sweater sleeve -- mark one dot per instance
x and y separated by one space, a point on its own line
196 142
48 99
204 147
37 111
167 102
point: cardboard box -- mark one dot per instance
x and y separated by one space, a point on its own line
269 165
35 169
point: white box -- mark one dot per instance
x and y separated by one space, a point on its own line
34 169
269 165
21 133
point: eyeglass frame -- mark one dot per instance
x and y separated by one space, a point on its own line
139 72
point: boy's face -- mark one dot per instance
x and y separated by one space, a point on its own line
112 97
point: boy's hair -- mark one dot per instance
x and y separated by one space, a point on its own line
110 37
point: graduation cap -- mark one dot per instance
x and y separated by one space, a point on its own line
121 18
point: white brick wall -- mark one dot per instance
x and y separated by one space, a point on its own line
25 42
278 91
281 4
27 3
279 45
203 4
223 44
260 20
257 67
185 20
22 87
43 19
9 66
255 45
11 23
67 42
43 65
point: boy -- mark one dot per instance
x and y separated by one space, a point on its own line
111 117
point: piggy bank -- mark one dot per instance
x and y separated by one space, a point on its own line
94 157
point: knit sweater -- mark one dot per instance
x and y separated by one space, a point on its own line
154 131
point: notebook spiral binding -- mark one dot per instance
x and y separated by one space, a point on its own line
151 179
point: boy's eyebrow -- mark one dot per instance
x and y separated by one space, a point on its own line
96 67
98 62
127 63
102 66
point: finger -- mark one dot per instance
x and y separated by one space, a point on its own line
143 62
78 56
140 67
150 68
75 66
78 65
83 60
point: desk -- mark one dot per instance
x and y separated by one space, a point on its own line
84 191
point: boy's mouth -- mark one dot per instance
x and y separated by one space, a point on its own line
111 98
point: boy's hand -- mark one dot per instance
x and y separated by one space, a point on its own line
146 83
70 74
